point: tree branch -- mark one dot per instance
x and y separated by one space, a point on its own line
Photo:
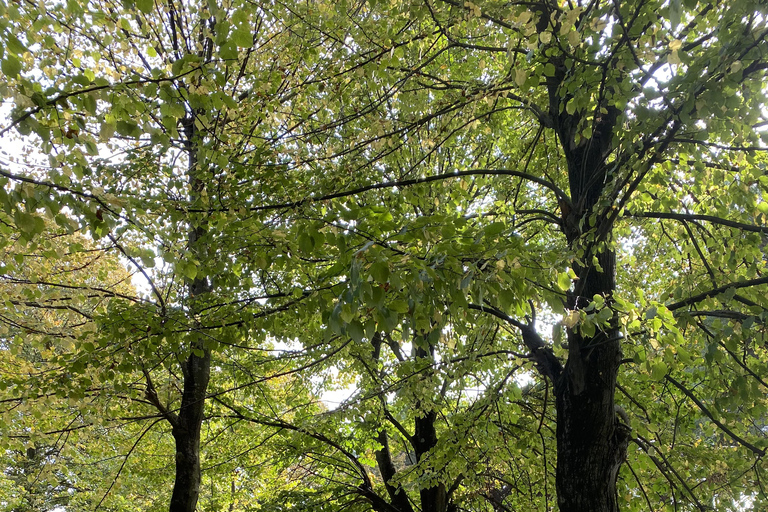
716 291
561 195
546 362
754 449
694 217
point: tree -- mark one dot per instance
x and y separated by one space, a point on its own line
408 192
624 129
66 421
171 136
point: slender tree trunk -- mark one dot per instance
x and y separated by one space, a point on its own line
433 499
186 433
196 366
397 495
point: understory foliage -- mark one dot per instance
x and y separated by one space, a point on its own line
524 242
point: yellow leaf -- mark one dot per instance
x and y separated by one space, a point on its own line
674 58
571 319
520 77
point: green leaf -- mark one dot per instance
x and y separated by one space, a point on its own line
14 45
190 271
588 328
91 148
563 281
494 229
145 6
380 272
347 314
106 131
675 10
128 128
228 50
306 243
604 315
242 38
399 306
557 334
89 102
658 370
356 331
30 225
11 66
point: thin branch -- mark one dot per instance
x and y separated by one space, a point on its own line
140 268
754 449
546 362
717 291
406 183
120 470
694 217
280 424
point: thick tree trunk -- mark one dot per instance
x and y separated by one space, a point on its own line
591 442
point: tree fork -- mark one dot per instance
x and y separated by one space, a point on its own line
591 441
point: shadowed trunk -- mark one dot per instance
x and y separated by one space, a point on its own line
433 499
196 367
591 443
186 433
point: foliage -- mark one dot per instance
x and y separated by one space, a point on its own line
401 198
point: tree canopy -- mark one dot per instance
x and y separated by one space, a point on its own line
525 239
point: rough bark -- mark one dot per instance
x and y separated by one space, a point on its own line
591 442
186 433
397 494
433 499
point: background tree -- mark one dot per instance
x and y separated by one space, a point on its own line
144 129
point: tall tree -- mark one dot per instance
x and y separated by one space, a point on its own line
148 114
635 107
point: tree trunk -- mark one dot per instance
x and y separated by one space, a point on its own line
186 433
433 499
196 367
591 443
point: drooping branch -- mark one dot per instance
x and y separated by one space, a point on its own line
366 488
559 193
141 269
717 291
665 467
64 96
